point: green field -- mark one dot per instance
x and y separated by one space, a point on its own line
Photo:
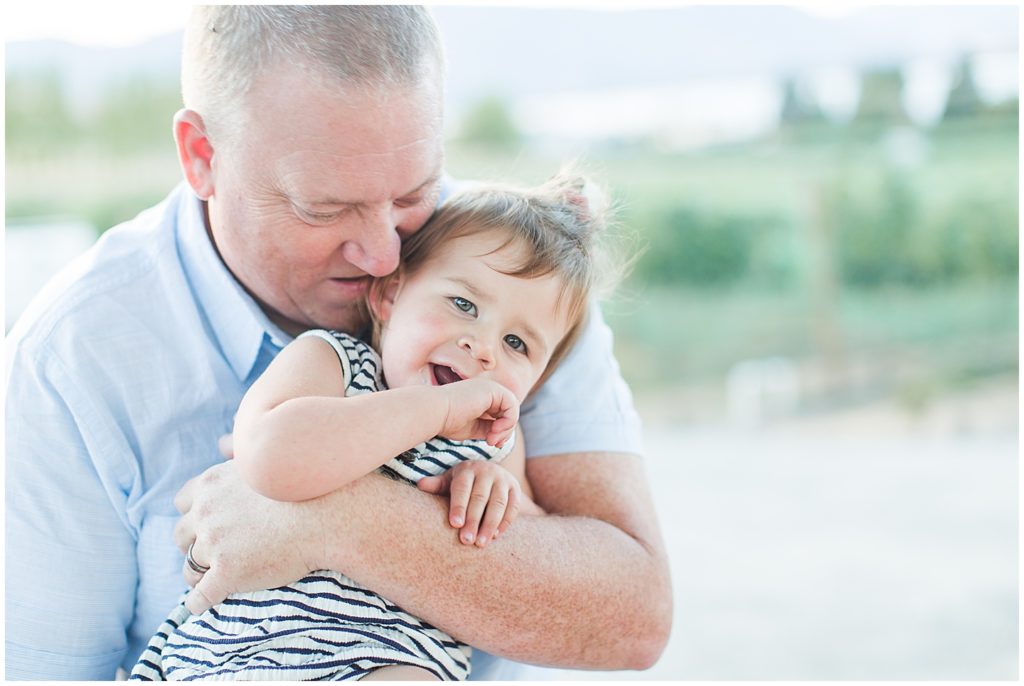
848 246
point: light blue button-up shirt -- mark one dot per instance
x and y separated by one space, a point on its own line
121 375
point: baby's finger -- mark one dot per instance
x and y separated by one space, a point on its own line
226 445
501 430
493 516
478 500
438 485
460 489
511 512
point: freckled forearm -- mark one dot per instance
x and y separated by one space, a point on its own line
561 591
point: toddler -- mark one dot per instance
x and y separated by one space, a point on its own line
488 298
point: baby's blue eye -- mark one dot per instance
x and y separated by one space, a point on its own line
515 342
464 305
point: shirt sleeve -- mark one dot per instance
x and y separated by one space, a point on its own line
585 406
70 558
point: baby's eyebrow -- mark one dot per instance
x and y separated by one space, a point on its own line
531 334
473 290
534 338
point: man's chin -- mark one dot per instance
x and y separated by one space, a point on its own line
349 318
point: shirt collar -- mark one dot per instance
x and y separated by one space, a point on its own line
239 324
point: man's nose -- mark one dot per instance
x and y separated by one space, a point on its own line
376 245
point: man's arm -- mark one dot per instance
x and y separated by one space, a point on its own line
71 561
587 588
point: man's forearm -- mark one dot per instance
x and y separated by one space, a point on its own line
569 591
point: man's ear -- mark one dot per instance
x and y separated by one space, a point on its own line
195 152
382 296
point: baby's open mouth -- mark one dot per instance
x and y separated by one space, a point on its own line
444 375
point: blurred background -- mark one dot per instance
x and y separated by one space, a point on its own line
821 331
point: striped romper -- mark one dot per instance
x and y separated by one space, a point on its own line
325 626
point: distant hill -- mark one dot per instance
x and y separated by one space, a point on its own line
88 70
538 51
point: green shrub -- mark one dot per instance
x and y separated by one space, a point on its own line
686 244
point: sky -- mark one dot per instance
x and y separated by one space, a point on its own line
120 24
724 67
109 24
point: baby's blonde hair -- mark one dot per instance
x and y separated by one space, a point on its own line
558 224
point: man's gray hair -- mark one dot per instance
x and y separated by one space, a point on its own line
227 46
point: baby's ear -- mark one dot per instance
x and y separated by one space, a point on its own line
381 297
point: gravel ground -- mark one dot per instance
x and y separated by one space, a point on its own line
863 545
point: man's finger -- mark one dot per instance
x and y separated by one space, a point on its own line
183 534
183 498
192 577
206 594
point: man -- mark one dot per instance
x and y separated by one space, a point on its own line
311 144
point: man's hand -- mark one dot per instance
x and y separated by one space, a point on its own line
479 409
274 546
485 499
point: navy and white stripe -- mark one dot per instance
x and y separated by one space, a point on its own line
325 626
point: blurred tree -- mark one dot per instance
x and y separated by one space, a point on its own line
131 116
874 220
490 124
886 234
38 119
135 115
1008 109
713 248
881 98
798 106
963 100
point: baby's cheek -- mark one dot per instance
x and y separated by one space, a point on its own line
519 386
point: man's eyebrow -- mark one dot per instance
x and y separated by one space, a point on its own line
333 202
434 178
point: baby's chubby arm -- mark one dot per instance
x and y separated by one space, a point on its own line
297 437
485 497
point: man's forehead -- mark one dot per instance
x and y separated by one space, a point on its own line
311 99
320 177
317 139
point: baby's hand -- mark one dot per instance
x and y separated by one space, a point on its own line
481 409
484 495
